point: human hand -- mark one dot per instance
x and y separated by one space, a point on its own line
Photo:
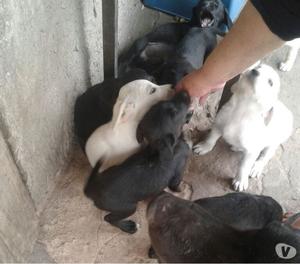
197 84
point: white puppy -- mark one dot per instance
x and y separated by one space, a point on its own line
253 121
294 46
115 141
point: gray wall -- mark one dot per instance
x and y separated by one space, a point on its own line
135 20
50 52
45 50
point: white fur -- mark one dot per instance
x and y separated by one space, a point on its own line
115 141
294 46
253 121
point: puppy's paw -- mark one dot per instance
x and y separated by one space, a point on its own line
285 66
202 148
240 183
186 191
257 169
128 226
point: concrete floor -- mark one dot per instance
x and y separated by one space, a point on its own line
72 229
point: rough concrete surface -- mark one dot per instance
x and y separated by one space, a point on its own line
93 32
73 230
134 20
44 65
18 220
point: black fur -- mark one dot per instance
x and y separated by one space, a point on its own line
94 107
243 211
163 118
152 50
145 174
170 59
214 230
189 55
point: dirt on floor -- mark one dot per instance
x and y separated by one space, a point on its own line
73 230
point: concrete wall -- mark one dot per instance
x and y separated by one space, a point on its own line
50 52
18 219
135 20
45 51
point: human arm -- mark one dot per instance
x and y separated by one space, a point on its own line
248 41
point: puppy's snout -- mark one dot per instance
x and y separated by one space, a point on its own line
255 72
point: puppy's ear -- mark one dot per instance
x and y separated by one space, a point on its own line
227 20
126 110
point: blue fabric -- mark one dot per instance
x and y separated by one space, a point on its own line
183 8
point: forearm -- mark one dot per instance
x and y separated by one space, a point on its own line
248 41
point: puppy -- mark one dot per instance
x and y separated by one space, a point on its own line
253 121
95 106
289 62
278 242
145 174
243 211
189 55
211 13
152 50
115 141
184 231
154 124
156 49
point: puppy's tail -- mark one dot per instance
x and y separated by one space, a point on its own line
91 178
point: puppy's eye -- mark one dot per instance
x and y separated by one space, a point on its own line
270 82
152 91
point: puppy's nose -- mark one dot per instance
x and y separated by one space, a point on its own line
255 72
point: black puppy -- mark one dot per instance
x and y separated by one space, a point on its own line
155 49
170 59
184 231
94 107
162 119
278 242
189 55
211 13
152 50
145 174
243 211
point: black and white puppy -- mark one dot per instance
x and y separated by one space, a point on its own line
145 174
95 106
211 13
185 231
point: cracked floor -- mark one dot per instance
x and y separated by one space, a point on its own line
72 229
